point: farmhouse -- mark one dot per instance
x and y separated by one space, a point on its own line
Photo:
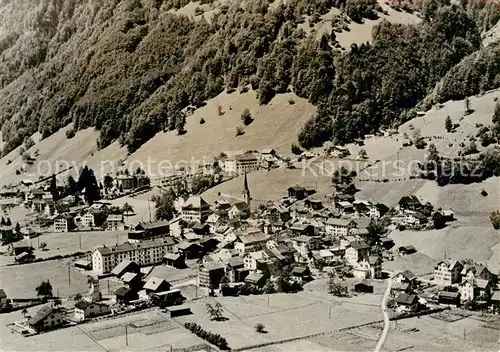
85 310
46 318
356 251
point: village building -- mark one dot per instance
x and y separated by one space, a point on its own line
125 182
240 164
305 244
368 268
156 285
447 272
339 228
210 274
376 211
114 222
46 318
126 266
175 260
357 251
148 252
86 310
239 210
125 295
406 277
195 209
410 202
407 302
64 223
250 242
297 192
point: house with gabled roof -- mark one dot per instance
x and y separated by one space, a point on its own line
339 227
250 242
406 277
447 272
195 209
357 251
46 318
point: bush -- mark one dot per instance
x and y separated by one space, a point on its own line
246 117
296 149
214 339
202 121
70 133
495 219
260 328
291 101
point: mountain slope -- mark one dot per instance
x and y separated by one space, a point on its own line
130 67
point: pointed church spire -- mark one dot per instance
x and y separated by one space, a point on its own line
245 186
246 191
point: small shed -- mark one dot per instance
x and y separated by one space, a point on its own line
178 311
408 249
83 264
363 286
445 297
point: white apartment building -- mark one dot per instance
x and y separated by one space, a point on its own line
240 164
144 253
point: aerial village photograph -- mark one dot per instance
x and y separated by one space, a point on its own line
249 175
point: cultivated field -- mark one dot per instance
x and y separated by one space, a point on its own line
68 243
20 281
148 331
286 316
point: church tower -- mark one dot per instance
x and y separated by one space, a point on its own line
246 191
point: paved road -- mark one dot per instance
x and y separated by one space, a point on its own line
383 306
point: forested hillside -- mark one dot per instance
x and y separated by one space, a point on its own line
129 68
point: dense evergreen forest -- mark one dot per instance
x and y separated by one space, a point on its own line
130 67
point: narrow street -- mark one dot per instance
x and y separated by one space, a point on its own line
383 306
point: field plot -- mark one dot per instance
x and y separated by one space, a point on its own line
459 243
171 274
68 243
20 281
69 339
148 331
287 316
270 185
388 193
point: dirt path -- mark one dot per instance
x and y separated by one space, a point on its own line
383 306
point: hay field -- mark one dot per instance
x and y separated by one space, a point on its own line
286 317
20 281
270 185
68 243
457 243
275 125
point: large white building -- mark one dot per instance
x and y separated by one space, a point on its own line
195 209
148 252
240 164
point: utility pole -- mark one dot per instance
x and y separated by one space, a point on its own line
465 330
268 301
108 285
149 209
69 275
126 335
329 312
80 239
